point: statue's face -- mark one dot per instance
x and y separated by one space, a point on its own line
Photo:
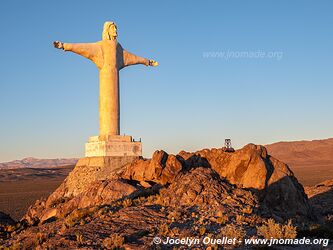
113 31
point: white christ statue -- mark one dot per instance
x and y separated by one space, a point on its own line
109 57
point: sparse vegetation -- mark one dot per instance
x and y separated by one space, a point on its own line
159 200
271 229
79 237
174 232
114 241
247 210
127 203
10 228
174 215
232 231
240 218
76 217
222 220
202 230
151 199
40 238
164 229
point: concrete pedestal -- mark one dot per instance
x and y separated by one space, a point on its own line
112 145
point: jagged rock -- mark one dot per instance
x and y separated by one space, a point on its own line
203 177
204 187
161 169
251 167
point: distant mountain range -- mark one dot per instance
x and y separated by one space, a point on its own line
303 151
31 162
311 161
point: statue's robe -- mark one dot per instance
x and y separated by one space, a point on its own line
109 57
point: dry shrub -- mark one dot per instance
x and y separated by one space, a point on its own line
151 199
127 203
274 230
174 215
76 216
164 229
174 231
222 220
162 199
15 246
159 200
114 241
40 238
139 200
10 228
247 210
186 232
240 218
232 231
103 211
202 230
79 237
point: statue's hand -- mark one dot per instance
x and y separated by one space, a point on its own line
58 45
153 63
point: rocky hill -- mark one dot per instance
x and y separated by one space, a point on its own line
241 194
31 162
311 161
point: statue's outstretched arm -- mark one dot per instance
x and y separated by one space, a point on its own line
91 51
131 59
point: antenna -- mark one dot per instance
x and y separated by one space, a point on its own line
227 143
227 146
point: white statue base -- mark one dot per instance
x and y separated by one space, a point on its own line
112 145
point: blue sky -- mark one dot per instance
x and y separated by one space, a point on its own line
49 99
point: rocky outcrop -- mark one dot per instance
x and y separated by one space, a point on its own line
161 169
204 188
187 178
251 167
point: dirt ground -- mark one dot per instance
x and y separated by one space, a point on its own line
20 188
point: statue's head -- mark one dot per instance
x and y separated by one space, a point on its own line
109 31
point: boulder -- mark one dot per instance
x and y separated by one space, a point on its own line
203 187
252 168
162 168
